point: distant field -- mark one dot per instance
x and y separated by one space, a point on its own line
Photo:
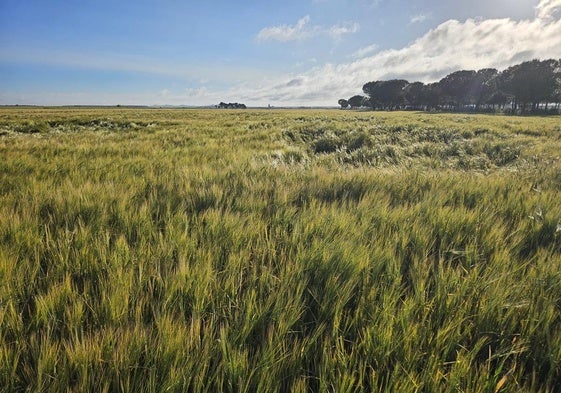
279 250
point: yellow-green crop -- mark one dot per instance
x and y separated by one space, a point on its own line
273 251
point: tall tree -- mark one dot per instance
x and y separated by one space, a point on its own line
484 85
390 94
356 101
414 94
531 82
556 96
456 87
432 95
498 98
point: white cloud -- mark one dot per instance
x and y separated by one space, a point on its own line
285 33
419 18
303 30
367 50
199 92
164 93
338 31
548 9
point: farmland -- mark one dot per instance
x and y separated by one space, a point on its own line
264 250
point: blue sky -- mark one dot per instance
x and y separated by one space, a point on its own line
306 52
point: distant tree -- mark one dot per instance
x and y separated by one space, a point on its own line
484 85
531 83
372 90
414 94
432 96
556 98
498 98
356 101
388 94
344 103
366 103
456 88
231 105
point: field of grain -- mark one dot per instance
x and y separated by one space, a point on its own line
166 250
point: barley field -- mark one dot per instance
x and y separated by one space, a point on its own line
168 250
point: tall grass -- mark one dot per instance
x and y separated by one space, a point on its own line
241 251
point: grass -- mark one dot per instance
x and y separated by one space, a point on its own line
305 251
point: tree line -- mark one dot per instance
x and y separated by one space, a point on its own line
529 87
230 105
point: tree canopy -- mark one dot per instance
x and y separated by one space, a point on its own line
529 86
388 94
231 105
357 101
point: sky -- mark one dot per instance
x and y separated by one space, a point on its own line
279 53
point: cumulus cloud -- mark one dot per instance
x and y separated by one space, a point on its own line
452 45
303 30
